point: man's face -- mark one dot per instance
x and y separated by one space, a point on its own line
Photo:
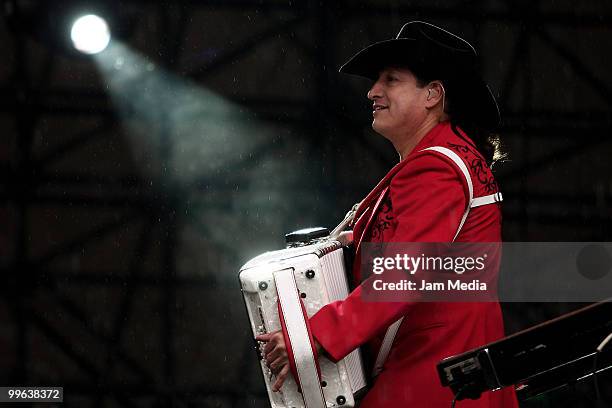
398 103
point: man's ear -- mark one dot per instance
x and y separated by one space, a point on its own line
435 94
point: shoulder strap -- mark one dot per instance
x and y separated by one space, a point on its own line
457 160
385 347
347 221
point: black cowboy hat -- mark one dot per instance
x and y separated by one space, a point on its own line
434 53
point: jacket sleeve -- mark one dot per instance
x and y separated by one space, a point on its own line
428 197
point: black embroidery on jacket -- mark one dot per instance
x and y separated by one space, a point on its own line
383 220
459 148
477 166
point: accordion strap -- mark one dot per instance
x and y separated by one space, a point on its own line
347 221
385 347
300 345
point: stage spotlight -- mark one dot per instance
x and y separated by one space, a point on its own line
76 28
90 34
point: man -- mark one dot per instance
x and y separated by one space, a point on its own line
426 93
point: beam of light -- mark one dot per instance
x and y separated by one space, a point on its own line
90 34
239 182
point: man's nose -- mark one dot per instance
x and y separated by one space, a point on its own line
375 91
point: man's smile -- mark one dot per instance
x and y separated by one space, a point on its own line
378 107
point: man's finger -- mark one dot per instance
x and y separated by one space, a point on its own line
279 351
270 345
275 340
278 363
264 337
280 378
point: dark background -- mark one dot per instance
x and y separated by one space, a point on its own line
136 183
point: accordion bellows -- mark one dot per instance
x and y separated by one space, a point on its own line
314 275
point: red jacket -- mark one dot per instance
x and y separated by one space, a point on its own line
422 199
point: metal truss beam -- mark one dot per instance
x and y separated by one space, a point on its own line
511 15
598 85
244 48
64 345
121 279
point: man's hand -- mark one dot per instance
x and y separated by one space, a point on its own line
346 237
275 354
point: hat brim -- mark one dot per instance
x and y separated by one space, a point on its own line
371 60
474 95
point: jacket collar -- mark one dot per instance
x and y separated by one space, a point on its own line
427 141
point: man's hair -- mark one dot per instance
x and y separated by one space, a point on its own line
488 143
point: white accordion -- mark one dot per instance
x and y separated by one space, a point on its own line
313 274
